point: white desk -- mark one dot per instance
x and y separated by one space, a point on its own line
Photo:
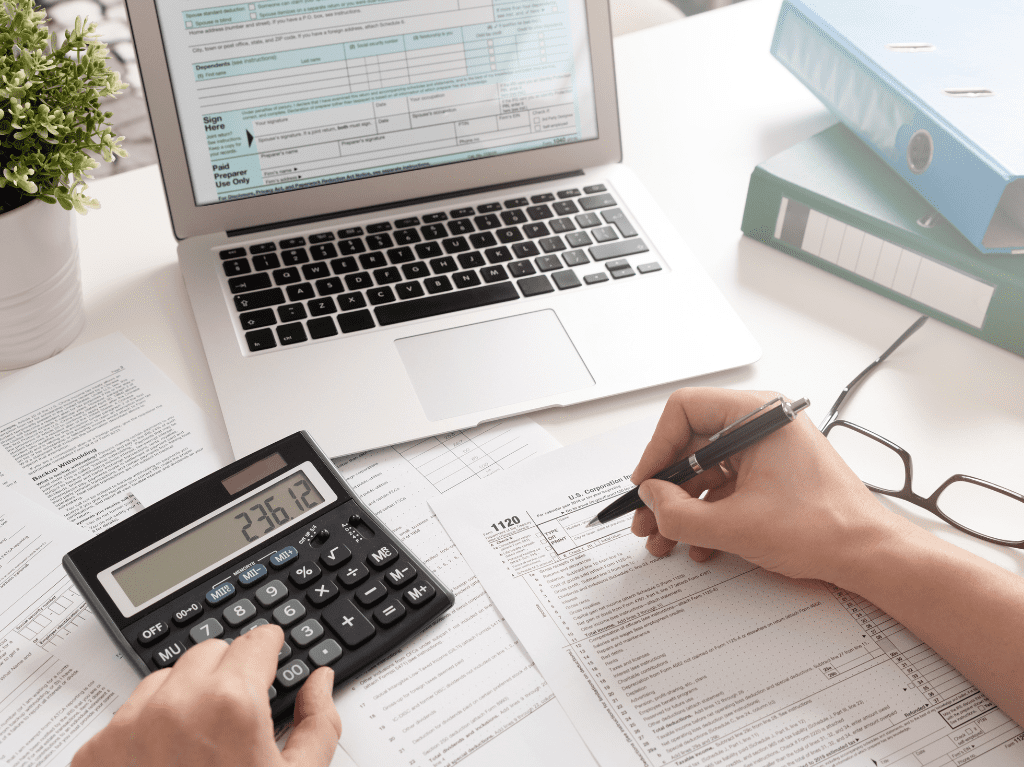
702 103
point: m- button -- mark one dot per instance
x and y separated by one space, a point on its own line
152 633
382 557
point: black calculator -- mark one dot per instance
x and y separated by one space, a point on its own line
277 537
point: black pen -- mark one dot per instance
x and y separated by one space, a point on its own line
725 444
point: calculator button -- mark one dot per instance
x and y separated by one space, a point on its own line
168 654
208 629
238 613
292 674
254 624
323 592
400 574
348 623
291 611
305 573
153 633
419 595
280 558
335 556
389 613
353 575
187 614
307 632
271 594
217 595
252 575
325 653
371 593
271 693
382 557
284 653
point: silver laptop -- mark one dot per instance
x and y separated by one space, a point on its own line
404 217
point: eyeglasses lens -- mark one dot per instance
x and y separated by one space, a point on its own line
875 463
983 510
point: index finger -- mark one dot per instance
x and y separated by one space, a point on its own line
690 416
253 656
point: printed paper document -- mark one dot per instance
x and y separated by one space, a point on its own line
667 661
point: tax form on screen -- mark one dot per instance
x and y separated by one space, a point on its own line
661 662
274 95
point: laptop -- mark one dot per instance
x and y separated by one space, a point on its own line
400 218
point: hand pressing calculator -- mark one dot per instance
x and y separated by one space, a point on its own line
277 537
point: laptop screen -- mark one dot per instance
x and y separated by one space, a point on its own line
276 95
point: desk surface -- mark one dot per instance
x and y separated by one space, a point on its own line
702 102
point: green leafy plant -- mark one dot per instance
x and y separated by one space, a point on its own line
51 121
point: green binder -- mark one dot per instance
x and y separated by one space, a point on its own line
832 202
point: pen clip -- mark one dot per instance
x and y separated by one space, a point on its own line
790 409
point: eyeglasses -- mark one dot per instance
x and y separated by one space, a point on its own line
977 507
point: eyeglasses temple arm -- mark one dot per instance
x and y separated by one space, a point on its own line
834 410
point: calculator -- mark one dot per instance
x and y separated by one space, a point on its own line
277 537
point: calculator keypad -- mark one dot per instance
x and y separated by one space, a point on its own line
336 601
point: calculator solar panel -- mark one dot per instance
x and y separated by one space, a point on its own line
277 537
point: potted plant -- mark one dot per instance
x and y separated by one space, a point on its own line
52 130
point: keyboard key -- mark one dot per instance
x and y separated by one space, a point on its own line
358 281
461 226
335 556
239 612
509 234
433 231
153 633
437 284
282 655
578 239
355 245
325 653
382 557
587 220
568 193
401 255
316 271
307 572
400 574
525 250
351 301
402 223
431 218
272 593
488 207
521 269
266 261
466 279
373 260
455 245
626 271
323 592
431 306
482 240
211 628
294 256
232 253
566 279
510 217
548 263
420 594
380 241
322 327
185 615
593 189
348 623
494 274
604 233
517 202
387 275
265 247
353 574
565 208
293 242
552 244
219 593
471 260
291 611
321 237
292 333
415 270
443 265
168 654
380 226
261 318
344 265
562 225
648 268
292 674
292 312
371 593
252 575
259 340
535 286
287 276
539 212
429 250
323 252
389 613
331 285
321 306
238 266
259 299
489 221
300 292
407 236
409 290
462 212
498 255
575 258
617 217
618 249
249 283
350 323
379 296
597 201
533 231
538 198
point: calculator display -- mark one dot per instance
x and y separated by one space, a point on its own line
219 537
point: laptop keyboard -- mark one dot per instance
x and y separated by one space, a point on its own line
301 289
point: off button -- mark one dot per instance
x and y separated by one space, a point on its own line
153 633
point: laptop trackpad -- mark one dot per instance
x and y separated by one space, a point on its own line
490 364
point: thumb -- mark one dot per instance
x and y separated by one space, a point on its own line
314 738
682 517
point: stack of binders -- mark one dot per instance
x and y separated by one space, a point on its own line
918 193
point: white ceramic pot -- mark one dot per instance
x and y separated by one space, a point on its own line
40 283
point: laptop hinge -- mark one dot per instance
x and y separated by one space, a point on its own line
390 206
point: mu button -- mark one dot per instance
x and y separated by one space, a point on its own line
168 654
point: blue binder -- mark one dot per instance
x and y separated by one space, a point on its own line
935 87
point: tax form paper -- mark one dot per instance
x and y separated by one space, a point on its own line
667 661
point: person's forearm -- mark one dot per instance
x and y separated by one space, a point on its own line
979 627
